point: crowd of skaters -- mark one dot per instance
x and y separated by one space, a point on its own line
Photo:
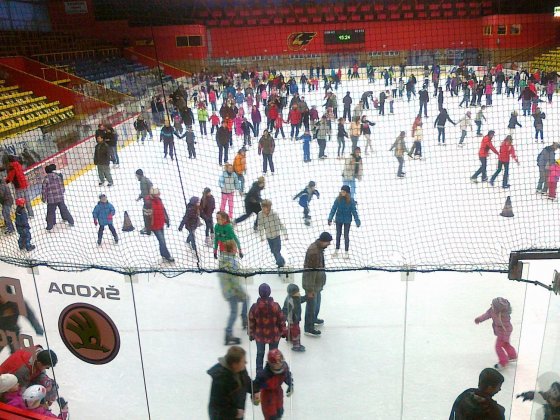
276 95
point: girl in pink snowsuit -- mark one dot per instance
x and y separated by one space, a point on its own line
237 121
500 312
553 176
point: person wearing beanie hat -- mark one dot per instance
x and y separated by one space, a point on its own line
253 201
145 187
353 170
159 219
52 193
103 214
8 383
545 160
102 159
305 197
313 281
142 128
347 102
267 324
190 221
292 312
342 211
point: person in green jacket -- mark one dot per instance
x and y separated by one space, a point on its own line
223 231
202 118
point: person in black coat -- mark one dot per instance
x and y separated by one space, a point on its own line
253 201
424 98
347 101
101 158
440 121
230 385
477 403
222 139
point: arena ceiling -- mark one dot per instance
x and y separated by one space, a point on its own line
172 12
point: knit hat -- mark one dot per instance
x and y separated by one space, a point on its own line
325 237
345 188
292 289
242 150
206 190
193 200
101 196
311 184
140 172
264 290
154 191
7 382
50 168
260 180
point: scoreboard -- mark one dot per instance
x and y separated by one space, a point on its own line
350 36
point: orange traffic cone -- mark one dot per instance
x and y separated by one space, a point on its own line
507 211
127 224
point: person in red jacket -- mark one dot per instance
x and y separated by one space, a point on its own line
485 147
294 118
266 323
506 151
29 365
17 177
159 219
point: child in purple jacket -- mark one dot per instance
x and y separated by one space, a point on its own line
500 312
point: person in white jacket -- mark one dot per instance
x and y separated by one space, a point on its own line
270 228
464 123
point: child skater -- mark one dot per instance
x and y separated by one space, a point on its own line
103 215
306 137
223 231
553 176
22 226
190 221
500 312
305 197
268 386
292 312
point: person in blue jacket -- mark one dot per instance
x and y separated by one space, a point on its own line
306 137
103 215
305 197
343 210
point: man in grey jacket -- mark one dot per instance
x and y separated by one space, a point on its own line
545 160
145 186
271 227
313 281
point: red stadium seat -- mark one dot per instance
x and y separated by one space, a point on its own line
408 15
435 14
316 19
351 8
406 6
461 13
395 16
378 7
303 19
382 16
365 8
448 13
342 17
264 21
393 7
420 6
369 16
421 15
329 18
338 10
446 6
278 20
357 18
460 5
290 20
434 7
244 12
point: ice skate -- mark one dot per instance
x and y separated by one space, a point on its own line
335 253
346 255
231 340
313 333
299 349
499 366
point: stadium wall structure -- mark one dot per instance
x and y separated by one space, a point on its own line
26 74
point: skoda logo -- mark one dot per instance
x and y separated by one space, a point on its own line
89 333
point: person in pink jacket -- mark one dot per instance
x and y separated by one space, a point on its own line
237 121
33 399
553 176
500 312
488 93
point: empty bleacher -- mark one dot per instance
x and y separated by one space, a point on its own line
21 111
303 12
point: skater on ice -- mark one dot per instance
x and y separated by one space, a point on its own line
304 197
268 385
343 211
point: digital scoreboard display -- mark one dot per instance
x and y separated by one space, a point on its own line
351 36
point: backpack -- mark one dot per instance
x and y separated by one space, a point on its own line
501 305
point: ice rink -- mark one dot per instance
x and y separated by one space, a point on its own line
390 349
